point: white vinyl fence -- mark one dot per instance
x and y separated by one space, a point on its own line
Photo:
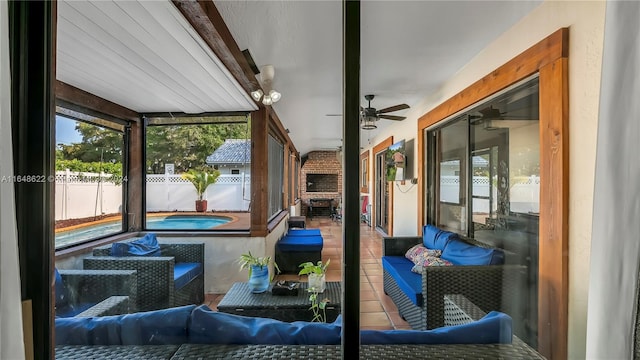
524 195
80 195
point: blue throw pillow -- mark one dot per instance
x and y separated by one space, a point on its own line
144 246
463 253
212 327
494 328
435 238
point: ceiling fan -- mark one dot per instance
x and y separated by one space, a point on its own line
370 115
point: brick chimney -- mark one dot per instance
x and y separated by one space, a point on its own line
321 178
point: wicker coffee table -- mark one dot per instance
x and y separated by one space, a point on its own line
240 300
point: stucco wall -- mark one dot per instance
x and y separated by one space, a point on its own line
586 22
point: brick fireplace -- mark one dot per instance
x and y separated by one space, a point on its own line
321 178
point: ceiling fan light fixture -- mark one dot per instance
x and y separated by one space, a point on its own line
369 123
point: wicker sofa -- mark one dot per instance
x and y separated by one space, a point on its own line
489 287
87 293
195 333
163 281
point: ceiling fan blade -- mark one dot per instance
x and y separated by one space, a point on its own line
391 117
393 108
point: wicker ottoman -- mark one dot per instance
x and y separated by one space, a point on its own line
297 247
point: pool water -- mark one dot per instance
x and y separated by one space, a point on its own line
173 222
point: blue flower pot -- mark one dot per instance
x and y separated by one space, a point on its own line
259 280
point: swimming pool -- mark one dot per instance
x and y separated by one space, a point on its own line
171 222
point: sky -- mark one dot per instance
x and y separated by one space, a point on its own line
66 131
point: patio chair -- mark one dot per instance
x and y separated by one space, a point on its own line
174 278
86 293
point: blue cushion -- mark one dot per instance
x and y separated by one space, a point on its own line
494 328
463 253
436 239
144 246
62 296
183 273
304 232
409 282
212 327
167 326
159 327
300 243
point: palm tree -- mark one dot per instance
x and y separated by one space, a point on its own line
201 180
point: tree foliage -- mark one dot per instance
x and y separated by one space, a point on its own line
185 146
98 144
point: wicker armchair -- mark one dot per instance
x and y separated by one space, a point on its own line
490 287
96 292
156 285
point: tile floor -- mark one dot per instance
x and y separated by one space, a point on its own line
377 311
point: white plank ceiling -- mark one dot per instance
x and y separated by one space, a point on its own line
144 56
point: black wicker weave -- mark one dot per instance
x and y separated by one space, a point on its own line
113 291
156 289
488 287
116 352
240 301
254 352
289 261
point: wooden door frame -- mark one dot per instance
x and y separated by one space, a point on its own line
549 59
381 146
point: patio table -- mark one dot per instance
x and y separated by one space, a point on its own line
240 300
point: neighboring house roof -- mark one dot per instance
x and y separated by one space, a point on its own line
232 151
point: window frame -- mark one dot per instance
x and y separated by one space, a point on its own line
549 58
364 172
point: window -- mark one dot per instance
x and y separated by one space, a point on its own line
490 154
89 181
197 174
364 172
276 176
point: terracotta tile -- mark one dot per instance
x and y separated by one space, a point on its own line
334 275
378 287
396 319
388 304
376 328
368 295
375 278
366 286
370 306
374 319
373 272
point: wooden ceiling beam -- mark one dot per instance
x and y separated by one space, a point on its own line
91 102
208 23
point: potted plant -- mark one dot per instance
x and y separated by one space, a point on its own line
316 273
201 180
258 271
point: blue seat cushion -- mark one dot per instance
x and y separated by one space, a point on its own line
436 239
409 282
304 232
159 327
493 328
300 243
144 246
211 327
463 253
183 273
